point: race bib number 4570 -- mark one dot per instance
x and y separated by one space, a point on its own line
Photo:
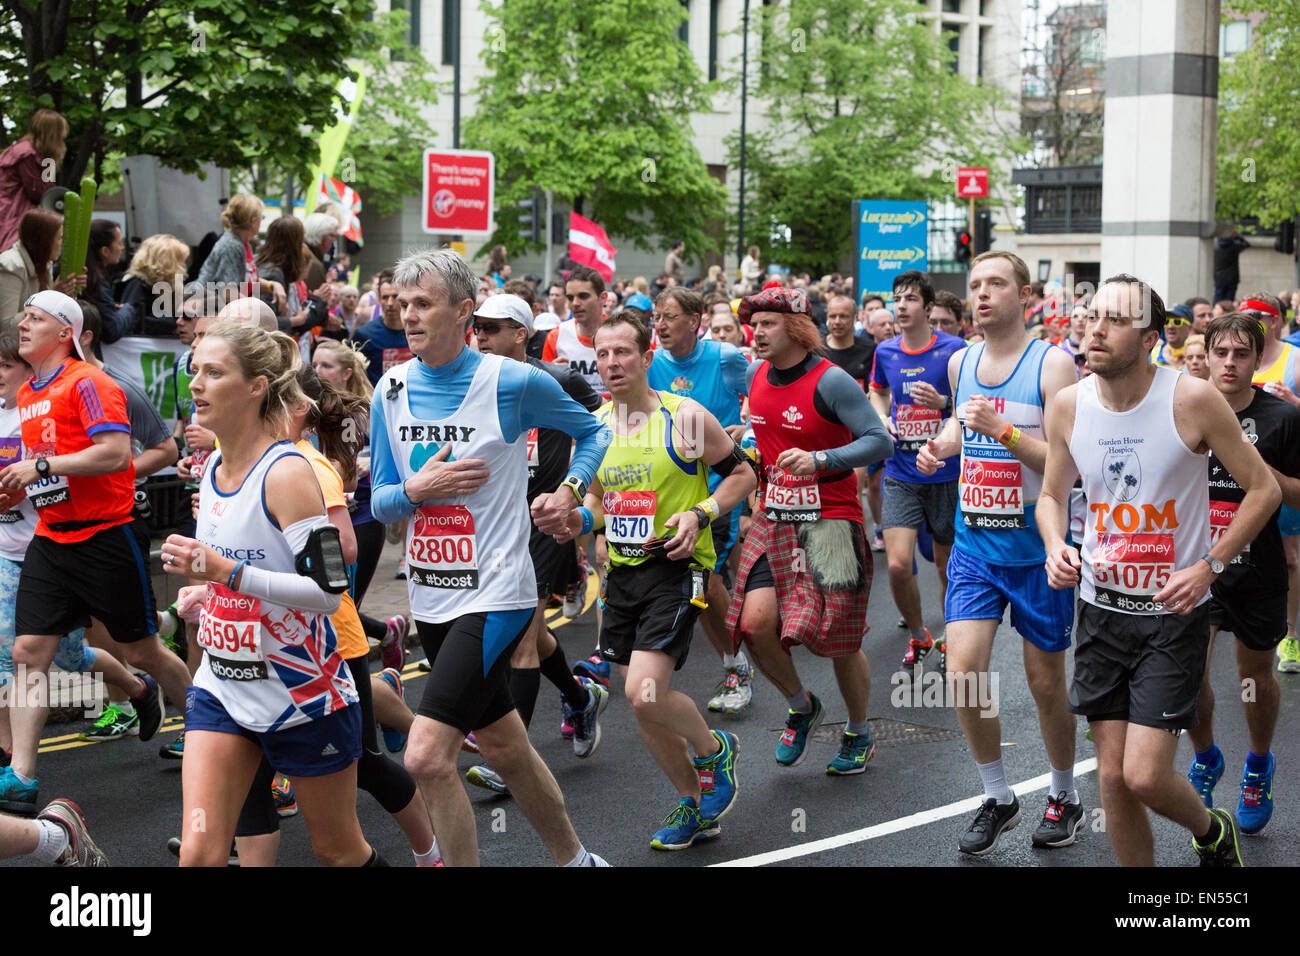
629 521
444 550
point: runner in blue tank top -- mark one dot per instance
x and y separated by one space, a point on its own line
1001 387
910 391
712 373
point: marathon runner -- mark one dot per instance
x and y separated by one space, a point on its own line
805 571
57 837
1277 374
880 327
1249 598
86 558
1169 351
382 339
570 342
448 440
652 496
1000 387
503 326
910 391
946 313
712 374
273 682
1138 434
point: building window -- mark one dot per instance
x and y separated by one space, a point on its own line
412 10
952 33
1234 37
448 37
713 38
983 36
952 6
684 31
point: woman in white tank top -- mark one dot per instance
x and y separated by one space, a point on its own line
272 679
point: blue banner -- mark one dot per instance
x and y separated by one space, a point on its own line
891 237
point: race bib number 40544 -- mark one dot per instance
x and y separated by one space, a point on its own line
1128 570
991 494
229 630
444 550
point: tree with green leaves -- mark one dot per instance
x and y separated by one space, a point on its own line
593 101
859 100
229 82
1259 117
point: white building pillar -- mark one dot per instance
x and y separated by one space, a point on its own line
1162 81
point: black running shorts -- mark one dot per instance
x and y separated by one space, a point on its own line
550 563
648 608
1256 617
469 664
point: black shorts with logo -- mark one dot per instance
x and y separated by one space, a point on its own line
469 667
648 608
1255 615
1142 668
106 576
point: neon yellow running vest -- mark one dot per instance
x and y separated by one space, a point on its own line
646 480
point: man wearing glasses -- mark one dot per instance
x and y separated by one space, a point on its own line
1178 326
712 373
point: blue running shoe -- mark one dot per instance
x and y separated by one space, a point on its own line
394 740
586 723
792 747
174 750
17 797
855 751
594 668
718 786
682 827
1256 804
1203 778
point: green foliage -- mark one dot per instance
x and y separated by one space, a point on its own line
592 99
859 102
1259 118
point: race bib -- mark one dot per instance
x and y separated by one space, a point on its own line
200 460
991 494
444 550
916 424
49 491
230 631
534 457
395 357
1128 570
791 497
629 521
1221 515
10 517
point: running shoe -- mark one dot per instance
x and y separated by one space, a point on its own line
855 751
17 797
1288 656
1061 823
991 821
736 691
149 707
902 624
1203 777
792 747
594 668
718 786
941 650
282 791
394 740
172 631
423 666
113 725
392 649
487 778
81 849
1226 850
682 827
401 570
1256 804
174 848
878 542
576 591
174 750
917 651
586 722
469 744
566 718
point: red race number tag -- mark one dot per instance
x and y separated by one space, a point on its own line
443 552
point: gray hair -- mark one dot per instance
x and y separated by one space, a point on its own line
448 268
317 226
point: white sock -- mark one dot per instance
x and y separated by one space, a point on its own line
1063 782
125 706
582 859
994 776
22 779
53 841
728 661
741 660
429 857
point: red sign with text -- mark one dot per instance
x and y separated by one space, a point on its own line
972 182
458 190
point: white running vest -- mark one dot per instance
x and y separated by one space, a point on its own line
1148 511
467 554
581 357
271 667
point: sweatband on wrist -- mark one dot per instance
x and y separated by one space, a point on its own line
588 520
710 507
230 581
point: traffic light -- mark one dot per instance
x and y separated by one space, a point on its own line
1285 241
559 228
983 231
962 246
530 218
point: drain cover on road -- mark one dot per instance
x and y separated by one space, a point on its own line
887 732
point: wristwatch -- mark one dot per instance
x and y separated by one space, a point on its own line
43 466
576 485
820 458
1215 564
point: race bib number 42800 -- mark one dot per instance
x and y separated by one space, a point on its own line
444 550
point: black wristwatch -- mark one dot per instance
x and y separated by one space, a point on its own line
701 516
43 466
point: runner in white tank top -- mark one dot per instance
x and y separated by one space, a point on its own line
1138 435
272 680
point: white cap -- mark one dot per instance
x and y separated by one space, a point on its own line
506 305
546 321
65 309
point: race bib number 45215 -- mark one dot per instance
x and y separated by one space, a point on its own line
230 631
444 550
1128 570
791 497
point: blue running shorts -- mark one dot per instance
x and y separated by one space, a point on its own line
978 591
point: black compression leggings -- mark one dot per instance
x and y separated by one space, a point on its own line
370 545
384 779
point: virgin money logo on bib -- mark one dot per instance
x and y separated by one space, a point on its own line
1122 472
974 472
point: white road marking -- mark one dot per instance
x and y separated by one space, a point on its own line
968 805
